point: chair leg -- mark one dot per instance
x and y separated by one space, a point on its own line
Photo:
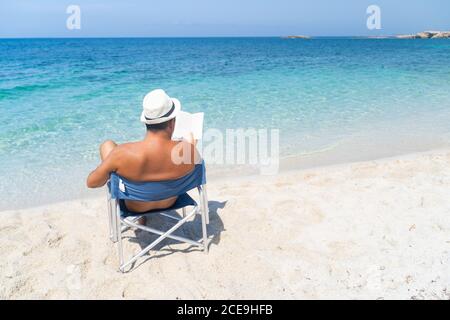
110 217
204 232
114 206
204 214
154 243
184 212
205 201
119 235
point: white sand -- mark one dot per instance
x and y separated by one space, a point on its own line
378 229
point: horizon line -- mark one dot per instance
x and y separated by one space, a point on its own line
198 37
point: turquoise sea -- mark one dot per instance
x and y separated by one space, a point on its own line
333 99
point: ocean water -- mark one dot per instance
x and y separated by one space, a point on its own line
339 98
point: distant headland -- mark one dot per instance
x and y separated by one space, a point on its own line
426 35
296 37
420 35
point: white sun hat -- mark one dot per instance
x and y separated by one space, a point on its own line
159 107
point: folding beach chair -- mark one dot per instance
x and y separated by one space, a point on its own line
121 219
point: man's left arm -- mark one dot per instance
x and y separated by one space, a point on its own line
100 175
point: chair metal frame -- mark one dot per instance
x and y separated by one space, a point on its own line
119 224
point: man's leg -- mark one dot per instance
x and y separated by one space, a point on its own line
106 147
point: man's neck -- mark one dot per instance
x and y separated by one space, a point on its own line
158 135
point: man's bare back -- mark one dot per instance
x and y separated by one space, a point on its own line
147 160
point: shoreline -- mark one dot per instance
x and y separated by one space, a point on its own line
287 169
288 164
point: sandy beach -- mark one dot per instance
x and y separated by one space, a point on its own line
377 229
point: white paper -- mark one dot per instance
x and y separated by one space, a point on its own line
185 123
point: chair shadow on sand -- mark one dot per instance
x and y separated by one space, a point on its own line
191 229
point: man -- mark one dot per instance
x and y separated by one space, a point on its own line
151 159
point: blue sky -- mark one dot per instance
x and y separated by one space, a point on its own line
151 18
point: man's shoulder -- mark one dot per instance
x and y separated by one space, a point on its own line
127 150
129 145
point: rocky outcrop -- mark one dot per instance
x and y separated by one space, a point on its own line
406 36
442 35
426 35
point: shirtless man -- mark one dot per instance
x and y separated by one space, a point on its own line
149 159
